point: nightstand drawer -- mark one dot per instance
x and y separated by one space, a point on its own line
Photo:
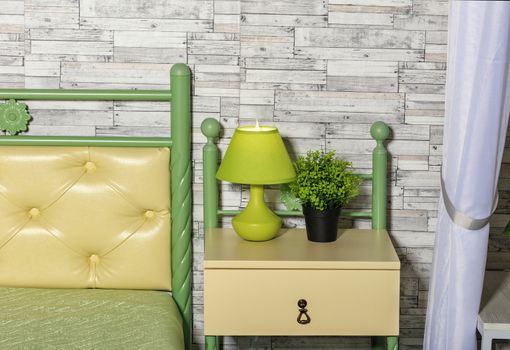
264 301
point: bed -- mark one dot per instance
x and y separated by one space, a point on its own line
95 232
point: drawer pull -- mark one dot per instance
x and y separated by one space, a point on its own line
303 317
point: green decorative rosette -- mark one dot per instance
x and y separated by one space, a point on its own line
14 117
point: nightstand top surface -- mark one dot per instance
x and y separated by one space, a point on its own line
354 249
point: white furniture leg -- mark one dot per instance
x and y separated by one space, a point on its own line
486 341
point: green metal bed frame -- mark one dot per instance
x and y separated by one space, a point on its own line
379 132
179 143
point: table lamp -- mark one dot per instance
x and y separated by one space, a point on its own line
256 156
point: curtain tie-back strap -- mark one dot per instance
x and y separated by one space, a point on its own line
460 218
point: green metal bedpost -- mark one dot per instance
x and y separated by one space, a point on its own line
211 129
380 132
180 82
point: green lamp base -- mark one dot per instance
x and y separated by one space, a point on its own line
257 222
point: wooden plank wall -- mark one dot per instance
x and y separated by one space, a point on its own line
321 71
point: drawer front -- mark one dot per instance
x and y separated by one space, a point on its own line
265 302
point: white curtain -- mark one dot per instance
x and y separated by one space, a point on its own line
476 118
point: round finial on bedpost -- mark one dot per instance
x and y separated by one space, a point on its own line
179 69
380 131
210 128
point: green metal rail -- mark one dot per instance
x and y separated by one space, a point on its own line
91 141
179 95
86 95
379 132
345 213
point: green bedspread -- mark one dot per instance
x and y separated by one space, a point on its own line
33 318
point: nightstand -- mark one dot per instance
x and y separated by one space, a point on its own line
347 287
290 286
494 316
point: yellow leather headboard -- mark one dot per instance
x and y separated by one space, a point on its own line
74 217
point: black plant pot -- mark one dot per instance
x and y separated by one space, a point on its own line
321 226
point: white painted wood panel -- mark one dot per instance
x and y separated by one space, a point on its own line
130 38
263 46
284 63
68 3
70 34
365 76
396 147
427 7
357 53
372 2
437 37
227 7
49 130
297 7
162 24
227 23
418 178
12 7
83 48
340 37
284 20
425 22
115 73
255 30
11 48
286 76
44 16
265 97
213 47
362 68
413 162
42 82
149 55
357 19
12 23
339 101
337 116
185 9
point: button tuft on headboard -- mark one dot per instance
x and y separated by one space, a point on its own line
94 259
34 212
90 167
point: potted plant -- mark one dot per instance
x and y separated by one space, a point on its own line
324 184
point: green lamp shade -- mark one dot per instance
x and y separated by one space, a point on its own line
256 156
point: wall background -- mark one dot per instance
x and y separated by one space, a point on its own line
321 71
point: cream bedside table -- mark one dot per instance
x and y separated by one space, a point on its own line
350 287
291 286
494 317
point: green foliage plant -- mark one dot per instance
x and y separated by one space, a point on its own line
324 181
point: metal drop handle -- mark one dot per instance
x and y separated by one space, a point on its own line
303 317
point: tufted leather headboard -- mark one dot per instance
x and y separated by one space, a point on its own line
77 217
